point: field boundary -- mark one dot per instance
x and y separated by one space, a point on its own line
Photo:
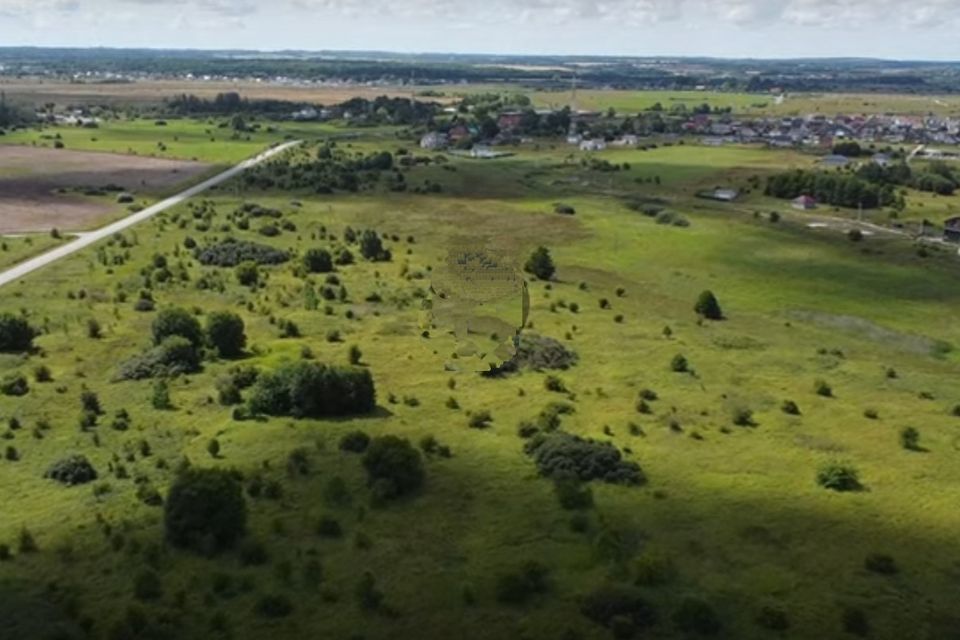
18 271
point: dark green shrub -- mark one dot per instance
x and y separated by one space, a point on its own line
225 333
653 570
253 553
880 563
329 527
42 373
175 321
394 467
371 247
572 493
480 420
312 390
540 264
247 273
773 619
231 253
72 470
910 439
369 597
606 603
537 353
555 384
205 510
708 307
175 355
16 334
147 586
790 408
679 364
696 616
318 261
821 388
274 606
855 622
520 586
14 384
355 441
839 477
563 454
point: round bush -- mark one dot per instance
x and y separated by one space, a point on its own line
72 470
205 510
394 466
175 321
318 261
225 333
16 334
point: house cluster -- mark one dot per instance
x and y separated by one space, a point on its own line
824 131
73 118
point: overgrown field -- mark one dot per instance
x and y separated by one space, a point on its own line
828 353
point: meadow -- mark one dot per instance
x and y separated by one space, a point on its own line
730 518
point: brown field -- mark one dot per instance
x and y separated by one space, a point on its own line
38 92
31 180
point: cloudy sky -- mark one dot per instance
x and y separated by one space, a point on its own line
916 29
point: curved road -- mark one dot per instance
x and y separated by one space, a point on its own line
87 239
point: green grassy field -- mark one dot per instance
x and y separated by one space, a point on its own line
734 510
186 139
17 248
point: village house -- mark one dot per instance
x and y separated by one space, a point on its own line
951 230
593 145
433 140
509 120
805 203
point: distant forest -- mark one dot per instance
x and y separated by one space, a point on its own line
535 71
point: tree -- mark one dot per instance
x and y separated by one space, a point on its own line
708 307
175 321
205 510
354 354
318 261
540 264
225 333
16 334
839 477
394 467
213 448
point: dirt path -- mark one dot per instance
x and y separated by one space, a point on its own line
87 239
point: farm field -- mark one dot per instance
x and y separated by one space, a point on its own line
730 513
43 189
186 139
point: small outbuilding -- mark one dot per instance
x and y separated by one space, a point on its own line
951 230
805 203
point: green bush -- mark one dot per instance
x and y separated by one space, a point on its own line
679 364
605 604
520 586
561 454
790 408
14 384
910 439
205 510
274 606
147 586
231 253
821 388
772 619
329 527
247 273
572 493
394 467
540 264
855 622
355 442
16 334
312 390
696 616
175 321
839 477
318 261
654 570
175 355
708 307
880 563
225 333
371 247
72 470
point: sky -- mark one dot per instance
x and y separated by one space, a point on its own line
893 29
